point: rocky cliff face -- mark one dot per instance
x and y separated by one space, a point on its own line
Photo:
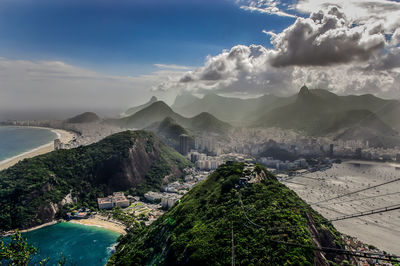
120 174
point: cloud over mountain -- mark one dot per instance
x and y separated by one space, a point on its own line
325 38
330 48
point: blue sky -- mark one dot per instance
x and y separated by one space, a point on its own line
128 36
114 54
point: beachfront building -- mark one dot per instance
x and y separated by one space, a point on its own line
114 200
58 144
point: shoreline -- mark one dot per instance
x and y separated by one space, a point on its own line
102 223
63 135
41 226
12 232
94 222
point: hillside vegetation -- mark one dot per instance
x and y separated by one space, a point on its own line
199 230
34 190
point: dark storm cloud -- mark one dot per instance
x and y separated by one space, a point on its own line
326 38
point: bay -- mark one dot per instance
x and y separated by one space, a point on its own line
17 140
79 244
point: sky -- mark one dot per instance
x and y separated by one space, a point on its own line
103 54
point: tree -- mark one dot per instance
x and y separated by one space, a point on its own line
18 251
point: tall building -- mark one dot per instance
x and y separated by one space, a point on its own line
57 144
184 144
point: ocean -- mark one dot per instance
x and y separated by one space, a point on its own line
79 244
17 140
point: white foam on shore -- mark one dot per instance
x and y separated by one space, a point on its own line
56 132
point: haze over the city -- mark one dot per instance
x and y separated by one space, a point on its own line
111 55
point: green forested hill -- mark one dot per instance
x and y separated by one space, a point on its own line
32 191
199 230
87 117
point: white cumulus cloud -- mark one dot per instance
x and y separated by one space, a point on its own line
331 48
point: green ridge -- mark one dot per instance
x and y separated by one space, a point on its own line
198 230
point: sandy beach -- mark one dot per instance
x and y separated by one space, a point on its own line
100 221
63 135
381 230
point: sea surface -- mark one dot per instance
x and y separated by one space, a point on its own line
79 244
17 140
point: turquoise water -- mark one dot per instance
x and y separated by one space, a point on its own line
17 140
79 244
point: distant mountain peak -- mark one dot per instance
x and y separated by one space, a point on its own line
304 91
135 109
87 117
184 99
160 104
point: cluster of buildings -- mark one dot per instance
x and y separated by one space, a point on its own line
205 162
167 200
255 141
207 144
117 199
58 145
174 191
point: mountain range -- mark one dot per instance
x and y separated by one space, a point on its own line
158 111
321 113
254 110
232 110
315 112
